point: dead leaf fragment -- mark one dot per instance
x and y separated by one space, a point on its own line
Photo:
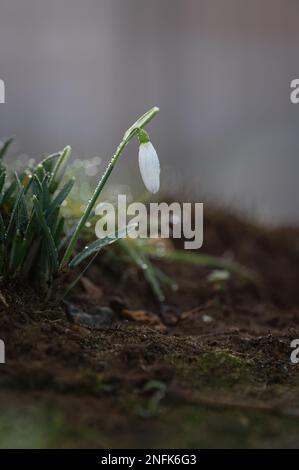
143 316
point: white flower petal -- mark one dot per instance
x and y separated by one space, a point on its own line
149 167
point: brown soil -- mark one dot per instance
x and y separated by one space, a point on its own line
210 368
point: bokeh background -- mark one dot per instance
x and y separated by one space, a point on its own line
80 71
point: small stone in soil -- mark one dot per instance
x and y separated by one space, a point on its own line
97 318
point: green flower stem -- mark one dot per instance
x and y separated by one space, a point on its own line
129 134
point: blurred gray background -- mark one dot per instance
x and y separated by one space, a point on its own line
80 71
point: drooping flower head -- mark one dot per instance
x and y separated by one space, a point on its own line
149 164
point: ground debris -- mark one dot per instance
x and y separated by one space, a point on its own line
143 316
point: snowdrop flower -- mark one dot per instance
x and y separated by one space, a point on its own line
149 164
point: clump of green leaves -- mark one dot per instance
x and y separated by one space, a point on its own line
35 242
